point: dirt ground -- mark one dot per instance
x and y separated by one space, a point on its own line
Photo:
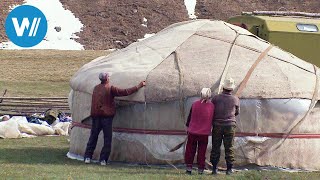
117 23
4 9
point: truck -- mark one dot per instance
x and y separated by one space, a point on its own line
295 32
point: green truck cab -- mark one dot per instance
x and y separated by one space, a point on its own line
295 32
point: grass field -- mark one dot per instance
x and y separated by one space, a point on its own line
41 73
45 158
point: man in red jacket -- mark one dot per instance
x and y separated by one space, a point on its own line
102 112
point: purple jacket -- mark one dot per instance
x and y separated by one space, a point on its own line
226 108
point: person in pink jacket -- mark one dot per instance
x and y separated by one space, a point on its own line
199 125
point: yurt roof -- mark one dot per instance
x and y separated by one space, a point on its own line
184 57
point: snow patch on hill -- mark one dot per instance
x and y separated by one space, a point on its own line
62 27
191 5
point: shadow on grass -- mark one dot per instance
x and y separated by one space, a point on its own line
35 155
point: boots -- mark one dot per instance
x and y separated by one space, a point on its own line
214 169
189 170
229 169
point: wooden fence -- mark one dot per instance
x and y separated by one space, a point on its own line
30 105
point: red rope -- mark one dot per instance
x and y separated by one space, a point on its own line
136 131
181 132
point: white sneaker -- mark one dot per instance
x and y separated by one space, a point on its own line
87 160
103 163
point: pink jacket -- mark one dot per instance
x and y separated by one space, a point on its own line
200 118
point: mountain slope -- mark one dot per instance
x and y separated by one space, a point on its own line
117 23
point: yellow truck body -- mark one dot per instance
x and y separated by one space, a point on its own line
296 34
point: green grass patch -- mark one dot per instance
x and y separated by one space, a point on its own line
45 158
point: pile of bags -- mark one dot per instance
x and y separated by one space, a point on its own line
18 127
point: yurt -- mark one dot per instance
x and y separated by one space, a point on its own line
279 115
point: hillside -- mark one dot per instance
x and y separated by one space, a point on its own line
116 24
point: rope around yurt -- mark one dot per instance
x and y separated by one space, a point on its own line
226 67
252 68
222 78
246 78
181 82
181 102
144 126
245 81
290 129
145 116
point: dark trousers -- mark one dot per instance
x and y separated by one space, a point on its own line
98 124
225 134
194 143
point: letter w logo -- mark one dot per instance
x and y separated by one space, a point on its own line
25 25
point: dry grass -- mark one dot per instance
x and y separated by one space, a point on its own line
41 72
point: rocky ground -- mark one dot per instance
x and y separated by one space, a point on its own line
117 23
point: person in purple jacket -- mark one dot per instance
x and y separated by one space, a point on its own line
227 107
199 127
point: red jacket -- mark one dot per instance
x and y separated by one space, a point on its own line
103 104
200 118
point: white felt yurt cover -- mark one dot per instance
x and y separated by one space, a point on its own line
278 100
